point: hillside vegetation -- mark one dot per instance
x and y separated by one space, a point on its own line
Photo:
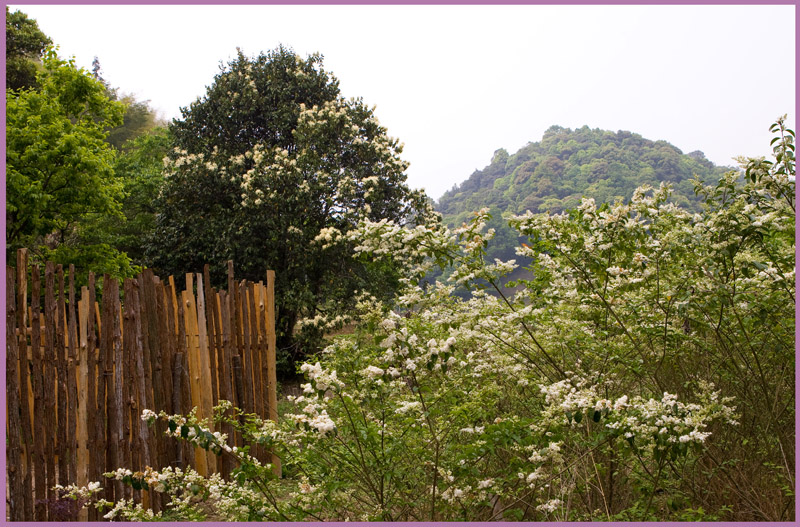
645 373
552 175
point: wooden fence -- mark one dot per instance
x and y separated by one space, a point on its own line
79 373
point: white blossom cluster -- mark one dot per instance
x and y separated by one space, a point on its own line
76 492
637 417
196 430
322 378
313 415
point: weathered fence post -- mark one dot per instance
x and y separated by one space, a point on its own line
61 372
247 354
255 360
211 331
49 374
132 450
143 438
226 389
176 400
92 384
38 398
182 385
206 371
14 446
272 380
72 385
24 377
83 394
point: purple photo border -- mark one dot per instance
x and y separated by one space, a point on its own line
396 2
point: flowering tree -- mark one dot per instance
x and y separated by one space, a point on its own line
270 166
645 373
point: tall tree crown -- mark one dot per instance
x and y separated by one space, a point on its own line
254 101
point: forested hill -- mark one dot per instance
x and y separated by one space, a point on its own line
553 174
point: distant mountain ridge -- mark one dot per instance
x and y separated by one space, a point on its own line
556 172
553 175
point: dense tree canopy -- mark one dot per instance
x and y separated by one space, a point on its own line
554 174
25 44
59 168
138 168
80 185
270 166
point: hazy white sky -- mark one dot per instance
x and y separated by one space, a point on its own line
455 83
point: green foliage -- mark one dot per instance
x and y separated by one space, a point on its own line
69 197
25 44
645 374
139 119
554 174
139 167
59 169
270 159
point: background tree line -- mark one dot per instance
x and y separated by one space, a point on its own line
260 170
554 174
263 170
80 159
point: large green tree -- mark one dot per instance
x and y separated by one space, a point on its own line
59 168
267 169
25 44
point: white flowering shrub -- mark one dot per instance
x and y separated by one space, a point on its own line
643 371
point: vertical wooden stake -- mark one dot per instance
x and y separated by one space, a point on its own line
177 373
92 380
238 380
14 445
226 390
246 349
83 395
209 300
199 374
24 377
170 347
38 399
61 365
150 347
130 449
256 358
72 386
143 440
206 372
272 380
